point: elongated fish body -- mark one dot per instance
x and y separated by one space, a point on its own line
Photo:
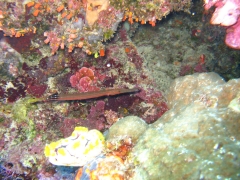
89 95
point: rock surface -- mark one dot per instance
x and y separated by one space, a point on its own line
198 138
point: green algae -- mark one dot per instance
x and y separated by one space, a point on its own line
22 107
108 35
151 6
30 131
29 161
20 114
1 119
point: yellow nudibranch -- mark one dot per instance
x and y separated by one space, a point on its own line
76 150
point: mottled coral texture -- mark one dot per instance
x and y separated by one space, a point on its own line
198 138
80 24
198 133
83 80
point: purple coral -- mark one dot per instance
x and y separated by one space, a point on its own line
97 114
37 90
155 107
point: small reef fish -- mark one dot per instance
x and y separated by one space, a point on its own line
89 95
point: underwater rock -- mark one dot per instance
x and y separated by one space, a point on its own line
198 138
130 126
235 104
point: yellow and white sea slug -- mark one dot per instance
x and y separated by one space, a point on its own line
78 149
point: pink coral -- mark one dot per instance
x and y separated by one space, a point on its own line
83 80
53 40
226 14
84 84
233 36
209 3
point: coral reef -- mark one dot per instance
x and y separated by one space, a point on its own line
166 126
185 136
82 24
199 132
83 80
112 164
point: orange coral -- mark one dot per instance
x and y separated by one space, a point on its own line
70 15
130 14
127 50
88 52
124 18
30 4
70 48
121 149
18 34
36 12
94 7
102 52
109 168
80 44
111 165
60 8
64 14
37 5
143 22
13 32
130 20
153 23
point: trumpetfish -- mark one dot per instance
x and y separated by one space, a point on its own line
89 95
